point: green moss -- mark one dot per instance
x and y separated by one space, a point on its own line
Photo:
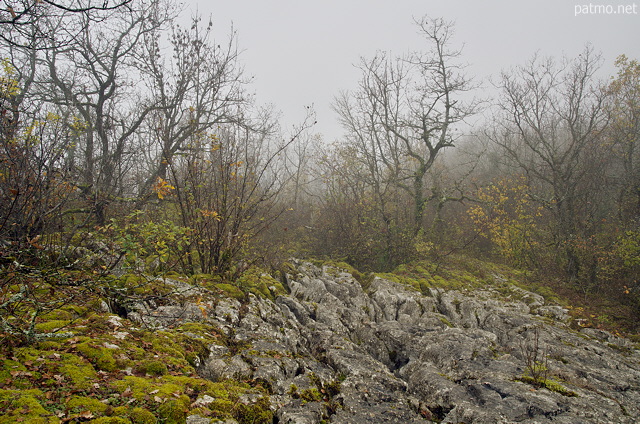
74 369
231 291
554 386
142 416
98 355
151 368
293 391
132 280
287 268
134 352
174 404
548 384
58 314
76 311
195 385
28 354
205 279
98 323
227 404
121 411
389 276
136 415
77 404
332 388
258 412
261 284
178 351
219 408
227 389
146 286
8 373
24 406
173 275
311 395
261 289
81 373
142 387
174 411
110 420
364 279
49 345
52 326
438 281
446 322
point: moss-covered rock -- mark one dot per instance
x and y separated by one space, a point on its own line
261 284
140 388
142 416
175 348
57 314
257 412
99 355
151 367
117 373
77 404
230 290
52 326
172 397
174 411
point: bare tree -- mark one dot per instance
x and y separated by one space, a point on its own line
32 183
551 120
403 114
227 187
94 79
198 88
22 20
33 142
625 135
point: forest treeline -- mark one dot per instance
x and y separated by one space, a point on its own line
122 128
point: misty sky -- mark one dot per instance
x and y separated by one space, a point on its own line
303 52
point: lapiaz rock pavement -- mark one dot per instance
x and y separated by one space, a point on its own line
331 351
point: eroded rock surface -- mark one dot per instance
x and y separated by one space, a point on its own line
333 352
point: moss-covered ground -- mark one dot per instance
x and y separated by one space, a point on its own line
82 364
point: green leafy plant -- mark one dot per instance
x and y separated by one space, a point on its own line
146 245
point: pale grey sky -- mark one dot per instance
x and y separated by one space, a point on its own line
303 52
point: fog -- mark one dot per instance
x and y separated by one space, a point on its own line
303 53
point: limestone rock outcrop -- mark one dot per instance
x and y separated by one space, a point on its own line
331 351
